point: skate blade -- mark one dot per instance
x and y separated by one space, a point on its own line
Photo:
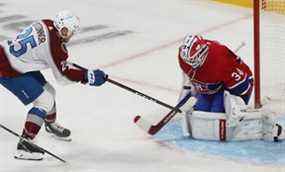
23 155
65 139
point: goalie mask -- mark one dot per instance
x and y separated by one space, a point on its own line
194 50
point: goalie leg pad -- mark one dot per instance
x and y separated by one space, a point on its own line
249 128
208 125
272 131
212 126
234 105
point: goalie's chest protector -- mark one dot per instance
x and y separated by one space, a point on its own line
210 77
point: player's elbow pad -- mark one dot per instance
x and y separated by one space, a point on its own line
243 89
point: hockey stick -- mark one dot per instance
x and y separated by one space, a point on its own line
143 95
145 125
153 129
42 149
135 92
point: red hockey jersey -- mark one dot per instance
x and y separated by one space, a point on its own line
222 69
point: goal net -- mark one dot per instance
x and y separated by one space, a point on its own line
277 6
269 51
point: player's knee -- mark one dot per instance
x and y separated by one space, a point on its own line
45 101
48 87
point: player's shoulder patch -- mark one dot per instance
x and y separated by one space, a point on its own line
39 28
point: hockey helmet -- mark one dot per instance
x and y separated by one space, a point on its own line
194 50
68 20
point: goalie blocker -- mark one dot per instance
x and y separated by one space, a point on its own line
236 124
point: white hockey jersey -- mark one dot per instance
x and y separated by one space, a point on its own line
39 47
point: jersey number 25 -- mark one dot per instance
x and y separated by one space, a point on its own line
23 39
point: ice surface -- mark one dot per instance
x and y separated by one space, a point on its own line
135 42
256 152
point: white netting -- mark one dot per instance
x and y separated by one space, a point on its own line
272 51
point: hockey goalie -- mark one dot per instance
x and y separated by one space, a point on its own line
220 85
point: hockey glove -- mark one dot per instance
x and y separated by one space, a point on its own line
96 77
187 103
186 99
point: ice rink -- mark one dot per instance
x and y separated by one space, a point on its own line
136 43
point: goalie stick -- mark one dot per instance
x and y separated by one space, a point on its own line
17 135
152 129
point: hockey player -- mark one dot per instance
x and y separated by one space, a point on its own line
41 46
221 85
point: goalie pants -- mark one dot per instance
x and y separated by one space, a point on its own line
210 103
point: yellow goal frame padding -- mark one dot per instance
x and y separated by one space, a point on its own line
243 3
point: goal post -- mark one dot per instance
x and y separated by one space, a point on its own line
267 49
256 52
268 28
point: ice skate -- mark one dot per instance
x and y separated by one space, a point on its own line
58 131
28 151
